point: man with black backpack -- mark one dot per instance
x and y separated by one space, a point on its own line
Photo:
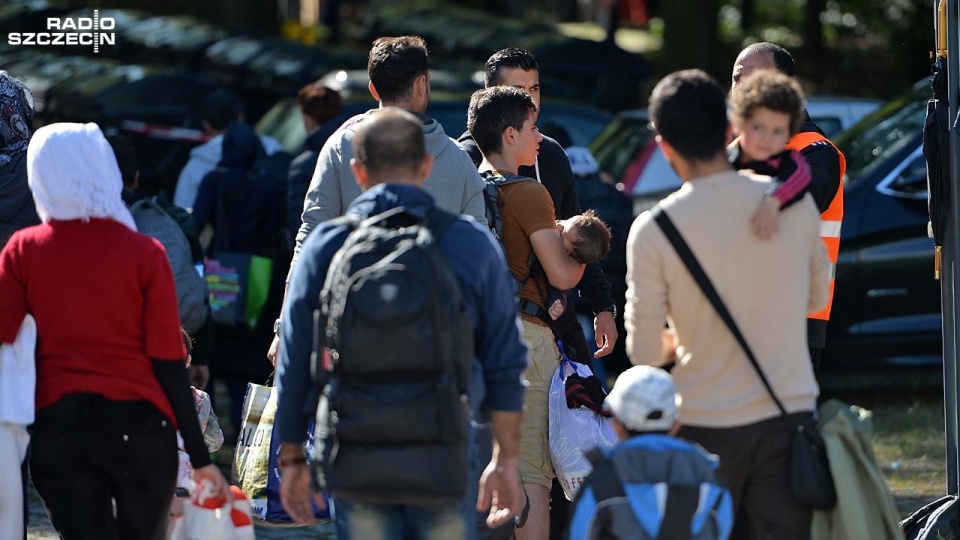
406 313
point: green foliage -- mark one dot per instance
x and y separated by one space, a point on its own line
874 49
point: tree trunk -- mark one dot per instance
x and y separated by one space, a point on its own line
813 29
690 36
747 8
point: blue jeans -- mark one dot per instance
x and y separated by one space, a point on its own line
357 520
320 531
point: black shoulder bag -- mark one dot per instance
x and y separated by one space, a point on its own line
810 478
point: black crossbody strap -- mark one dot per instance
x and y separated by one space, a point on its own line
698 275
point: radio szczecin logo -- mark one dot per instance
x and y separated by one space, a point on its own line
70 31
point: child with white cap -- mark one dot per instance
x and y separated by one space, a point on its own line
651 485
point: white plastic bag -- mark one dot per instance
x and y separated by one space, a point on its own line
574 432
209 518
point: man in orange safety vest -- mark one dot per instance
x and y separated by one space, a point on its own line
827 167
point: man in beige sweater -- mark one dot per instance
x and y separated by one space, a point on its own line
768 286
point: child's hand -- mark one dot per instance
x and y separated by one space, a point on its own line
764 220
556 309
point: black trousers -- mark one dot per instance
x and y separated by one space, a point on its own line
89 451
755 463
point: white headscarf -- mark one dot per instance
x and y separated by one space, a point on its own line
73 174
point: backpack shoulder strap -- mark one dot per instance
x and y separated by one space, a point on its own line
499 179
682 503
603 479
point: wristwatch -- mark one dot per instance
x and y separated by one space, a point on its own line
276 325
612 308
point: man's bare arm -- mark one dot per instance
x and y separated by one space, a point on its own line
500 484
562 271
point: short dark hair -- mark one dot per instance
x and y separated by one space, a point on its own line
769 90
319 102
782 58
511 58
592 239
126 158
492 110
394 63
221 108
390 140
689 110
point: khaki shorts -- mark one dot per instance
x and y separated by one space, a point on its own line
542 360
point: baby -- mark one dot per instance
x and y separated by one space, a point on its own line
766 109
587 240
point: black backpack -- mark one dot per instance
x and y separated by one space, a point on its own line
491 200
491 195
270 173
393 418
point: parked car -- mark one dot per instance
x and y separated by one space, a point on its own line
42 72
627 152
285 123
886 308
836 114
158 108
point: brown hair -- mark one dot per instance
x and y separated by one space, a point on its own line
770 90
394 64
319 102
492 110
592 239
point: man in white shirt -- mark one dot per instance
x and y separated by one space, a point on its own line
220 109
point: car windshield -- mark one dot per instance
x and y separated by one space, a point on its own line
620 141
890 129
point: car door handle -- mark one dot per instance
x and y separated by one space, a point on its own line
887 293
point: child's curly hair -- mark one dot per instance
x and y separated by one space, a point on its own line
592 239
771 90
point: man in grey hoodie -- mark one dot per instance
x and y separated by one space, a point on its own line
399 77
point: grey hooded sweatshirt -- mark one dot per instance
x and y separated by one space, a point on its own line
453 183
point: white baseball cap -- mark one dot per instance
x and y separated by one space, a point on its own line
644 398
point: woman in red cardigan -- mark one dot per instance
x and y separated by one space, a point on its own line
111 385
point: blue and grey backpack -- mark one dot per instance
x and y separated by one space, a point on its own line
653 487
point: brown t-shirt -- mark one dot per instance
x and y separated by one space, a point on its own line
525 208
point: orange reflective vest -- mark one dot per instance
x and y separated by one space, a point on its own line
831 219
